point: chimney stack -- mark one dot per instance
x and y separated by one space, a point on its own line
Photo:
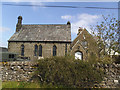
68 24
79 30
19 24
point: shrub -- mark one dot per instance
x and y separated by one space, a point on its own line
66 72
116 59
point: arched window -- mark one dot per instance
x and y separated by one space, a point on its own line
36 50
65 49
22 50
54 50
79 55
40 50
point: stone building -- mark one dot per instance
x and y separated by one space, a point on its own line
38 41
84 45
41 41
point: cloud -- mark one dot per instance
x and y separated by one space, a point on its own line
82 20
15 0
67 17
85 20
32 2
36 3
4 29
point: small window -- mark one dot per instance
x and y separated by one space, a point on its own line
54 50
22 50
36 50
66 49
40 50
10 56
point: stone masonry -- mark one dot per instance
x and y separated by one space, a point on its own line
112 75
18 71
23 71
47 35
47 49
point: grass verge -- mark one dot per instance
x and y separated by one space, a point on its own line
15 84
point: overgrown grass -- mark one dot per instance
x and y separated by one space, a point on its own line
15 84
0 84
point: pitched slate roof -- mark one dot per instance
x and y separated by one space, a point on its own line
3 49
50 32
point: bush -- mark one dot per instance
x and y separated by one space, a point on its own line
66 72
116 59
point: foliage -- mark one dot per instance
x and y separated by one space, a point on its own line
107 33
116 59
66 72
106 60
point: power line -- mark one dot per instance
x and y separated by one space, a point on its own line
58 6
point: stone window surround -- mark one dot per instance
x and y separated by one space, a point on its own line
54 50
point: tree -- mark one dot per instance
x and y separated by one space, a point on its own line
107 33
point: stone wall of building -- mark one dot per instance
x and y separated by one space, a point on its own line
29 47
79 47
23 71
85 43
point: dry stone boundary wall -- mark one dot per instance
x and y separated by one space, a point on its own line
18 70
112 75
23 71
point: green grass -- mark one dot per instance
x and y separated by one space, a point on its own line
0 84
14 84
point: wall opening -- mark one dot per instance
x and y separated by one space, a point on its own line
79 55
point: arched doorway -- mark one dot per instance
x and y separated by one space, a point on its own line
78 55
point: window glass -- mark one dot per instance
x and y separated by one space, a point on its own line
40 50
22 50
36 50
65 49
54 50
10 56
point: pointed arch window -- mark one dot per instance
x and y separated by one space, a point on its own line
36 50
65 49
22 50
40 50
54 50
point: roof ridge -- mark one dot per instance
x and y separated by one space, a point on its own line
42 24
43 32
